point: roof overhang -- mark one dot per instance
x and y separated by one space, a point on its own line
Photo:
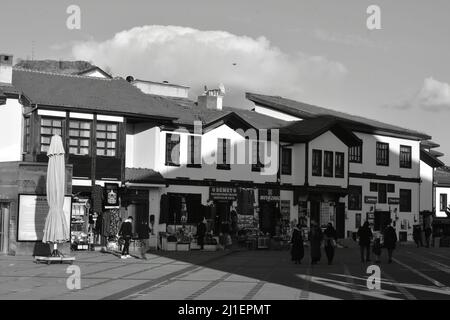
430 160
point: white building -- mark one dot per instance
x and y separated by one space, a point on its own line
384 172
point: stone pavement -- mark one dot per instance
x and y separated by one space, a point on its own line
417 273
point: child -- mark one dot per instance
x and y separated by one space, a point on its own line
376 249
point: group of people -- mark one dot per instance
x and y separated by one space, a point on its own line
365 236
329 238
417 236
316 236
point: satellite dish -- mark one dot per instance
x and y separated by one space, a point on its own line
129 78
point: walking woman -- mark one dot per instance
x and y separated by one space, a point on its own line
315 238
297 250
390 240
330 242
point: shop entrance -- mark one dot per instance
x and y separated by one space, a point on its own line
223 217
381 220
315 211
139 212
4 222
340 220
267 217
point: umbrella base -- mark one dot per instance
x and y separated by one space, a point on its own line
52 259
57 253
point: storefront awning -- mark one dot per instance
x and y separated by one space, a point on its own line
143 177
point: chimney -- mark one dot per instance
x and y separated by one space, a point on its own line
212 99
6 62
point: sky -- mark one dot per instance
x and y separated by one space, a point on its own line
317 52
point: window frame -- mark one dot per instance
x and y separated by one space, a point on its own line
355 157
223 149
351 205
441 197
49 135
171 144
381 194
316 169
338 170
286 166
26 134
382 154
328 164
192 148
406 164
79 137
402 205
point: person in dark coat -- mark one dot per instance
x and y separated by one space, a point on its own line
330 242
144 235
417 236
428 235
297 250
376 249
126 232
315 238
201 232
390 240
365 236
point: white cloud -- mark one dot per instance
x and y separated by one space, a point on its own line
347 39
197 58
434 96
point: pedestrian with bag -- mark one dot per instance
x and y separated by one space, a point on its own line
315 239
417 236
126 232
297 249
390 239
330 239
144 236
365 237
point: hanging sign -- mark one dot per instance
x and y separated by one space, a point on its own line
111 195
223 193
269 194
393 200
369 199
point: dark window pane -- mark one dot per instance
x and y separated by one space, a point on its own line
382 193
317 163
354 197
339 167
382 154
328 164
405 200
405 157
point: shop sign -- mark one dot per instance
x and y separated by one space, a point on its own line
393 200
223 193
33 211
269 195
111 195
368 199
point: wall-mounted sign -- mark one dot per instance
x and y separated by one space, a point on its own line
369 199
223 193
269 194
33 211
111 195
393 200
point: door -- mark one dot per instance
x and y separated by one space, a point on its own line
267 217
4 223
381 220
139 212
340 220
315 212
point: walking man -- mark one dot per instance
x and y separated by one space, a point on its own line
126 232
330 242
365 236
201 231
390 240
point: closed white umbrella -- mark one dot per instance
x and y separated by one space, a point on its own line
56 228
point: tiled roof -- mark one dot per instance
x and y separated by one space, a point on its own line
308 111
429 159
442 176
140 175
115 96
306 130
258 120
